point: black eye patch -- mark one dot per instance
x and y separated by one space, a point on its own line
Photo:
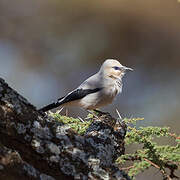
117 68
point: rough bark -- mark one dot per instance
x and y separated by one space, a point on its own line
33 146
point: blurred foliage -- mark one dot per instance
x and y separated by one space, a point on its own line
151 154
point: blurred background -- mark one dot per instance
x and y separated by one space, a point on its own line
48 47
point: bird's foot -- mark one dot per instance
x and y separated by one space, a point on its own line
42 113
104 117
92 112
98 112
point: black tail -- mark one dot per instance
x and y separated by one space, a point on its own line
51 106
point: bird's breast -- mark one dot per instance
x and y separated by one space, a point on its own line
112 90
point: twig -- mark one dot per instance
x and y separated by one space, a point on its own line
158 167
127 168
153 164
174 136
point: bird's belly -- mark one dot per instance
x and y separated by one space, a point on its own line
92 102
95 100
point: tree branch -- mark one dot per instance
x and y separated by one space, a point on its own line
33 146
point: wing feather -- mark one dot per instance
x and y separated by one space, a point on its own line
78 94
72 96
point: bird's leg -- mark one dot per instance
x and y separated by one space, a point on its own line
58 111
80 119
120 118
99 112
66 113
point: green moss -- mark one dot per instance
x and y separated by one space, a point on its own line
76 124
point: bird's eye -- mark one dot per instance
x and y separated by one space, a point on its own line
116 68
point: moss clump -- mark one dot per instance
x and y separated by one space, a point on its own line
76 124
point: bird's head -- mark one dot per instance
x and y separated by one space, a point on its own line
113 69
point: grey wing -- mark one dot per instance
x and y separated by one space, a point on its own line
92 82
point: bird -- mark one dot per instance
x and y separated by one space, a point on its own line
97 91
